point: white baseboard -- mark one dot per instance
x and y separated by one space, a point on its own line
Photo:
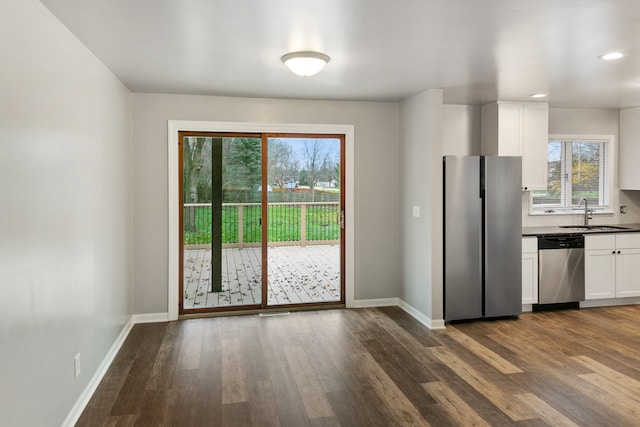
150 318
420 317
526 308
88 391
380 302
397 302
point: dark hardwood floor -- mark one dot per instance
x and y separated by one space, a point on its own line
376 367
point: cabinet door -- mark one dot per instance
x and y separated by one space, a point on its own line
629 146
509 129
522 130
535 134
627 277
600 274
530 278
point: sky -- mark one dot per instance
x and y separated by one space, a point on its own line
298 145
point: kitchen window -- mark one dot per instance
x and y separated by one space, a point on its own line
578 167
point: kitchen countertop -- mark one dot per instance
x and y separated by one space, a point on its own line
559 231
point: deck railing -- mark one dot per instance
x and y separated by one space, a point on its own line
293 224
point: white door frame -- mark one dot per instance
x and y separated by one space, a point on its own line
175 126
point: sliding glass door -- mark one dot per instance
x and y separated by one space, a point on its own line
261 220
305 214
221 221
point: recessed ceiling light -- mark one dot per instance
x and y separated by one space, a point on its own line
305 63
538 95
612 56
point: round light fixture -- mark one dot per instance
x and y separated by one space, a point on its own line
305 63
612 56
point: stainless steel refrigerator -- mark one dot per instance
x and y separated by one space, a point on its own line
482 237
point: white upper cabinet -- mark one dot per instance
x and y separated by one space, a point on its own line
519 129
629 146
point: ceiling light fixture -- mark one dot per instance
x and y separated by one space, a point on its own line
612 56
305 63
538 95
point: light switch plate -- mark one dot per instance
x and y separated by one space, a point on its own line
416 211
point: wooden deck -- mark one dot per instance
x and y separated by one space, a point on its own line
296 275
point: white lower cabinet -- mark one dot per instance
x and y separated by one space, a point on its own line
529 270
612 265
627 269
599 274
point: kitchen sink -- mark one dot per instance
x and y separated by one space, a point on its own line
594 227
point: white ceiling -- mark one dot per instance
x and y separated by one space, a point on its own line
383 50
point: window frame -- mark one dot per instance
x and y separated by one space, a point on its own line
606 182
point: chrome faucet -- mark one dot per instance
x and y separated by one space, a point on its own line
587 212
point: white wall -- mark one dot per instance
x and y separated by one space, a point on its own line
462 130
421 135
594 122
377 251
65 214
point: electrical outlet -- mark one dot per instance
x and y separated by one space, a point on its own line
623 209
76 365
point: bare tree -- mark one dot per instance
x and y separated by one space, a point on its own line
316 156
282 164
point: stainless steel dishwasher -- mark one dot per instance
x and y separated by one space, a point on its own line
561 269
